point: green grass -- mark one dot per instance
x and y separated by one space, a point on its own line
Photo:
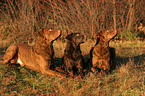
126 80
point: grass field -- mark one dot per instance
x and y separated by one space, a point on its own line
128 79
21 19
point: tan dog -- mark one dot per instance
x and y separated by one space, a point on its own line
102 55
37 57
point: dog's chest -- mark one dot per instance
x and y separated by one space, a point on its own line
73 54
101 51
20 62
76 55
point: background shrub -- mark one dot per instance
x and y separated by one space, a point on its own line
20 19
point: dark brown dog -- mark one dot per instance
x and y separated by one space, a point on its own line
72 55
38 57
102 55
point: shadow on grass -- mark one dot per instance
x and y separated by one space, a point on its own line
119 61
137 60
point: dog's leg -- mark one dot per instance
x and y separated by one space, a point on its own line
69 67
81 72
10 55
94 63
46 70
80 69
68 63
44 67
59 69
70 71
93 69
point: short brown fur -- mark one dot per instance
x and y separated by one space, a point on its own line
38 57
73 58
102 55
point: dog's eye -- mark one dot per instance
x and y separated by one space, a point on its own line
103 37
107 31
77 34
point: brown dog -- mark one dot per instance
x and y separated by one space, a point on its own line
102 55
37 57
72 55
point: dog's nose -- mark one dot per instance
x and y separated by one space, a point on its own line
85 38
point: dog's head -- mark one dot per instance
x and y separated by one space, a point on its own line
48 34
76 38
107 35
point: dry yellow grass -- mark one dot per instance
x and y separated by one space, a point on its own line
126 79
20 19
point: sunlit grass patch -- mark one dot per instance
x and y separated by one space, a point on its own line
128 79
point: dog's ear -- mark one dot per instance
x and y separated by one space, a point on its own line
46 29
99 34
69 37
77 34
40 33
107 31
